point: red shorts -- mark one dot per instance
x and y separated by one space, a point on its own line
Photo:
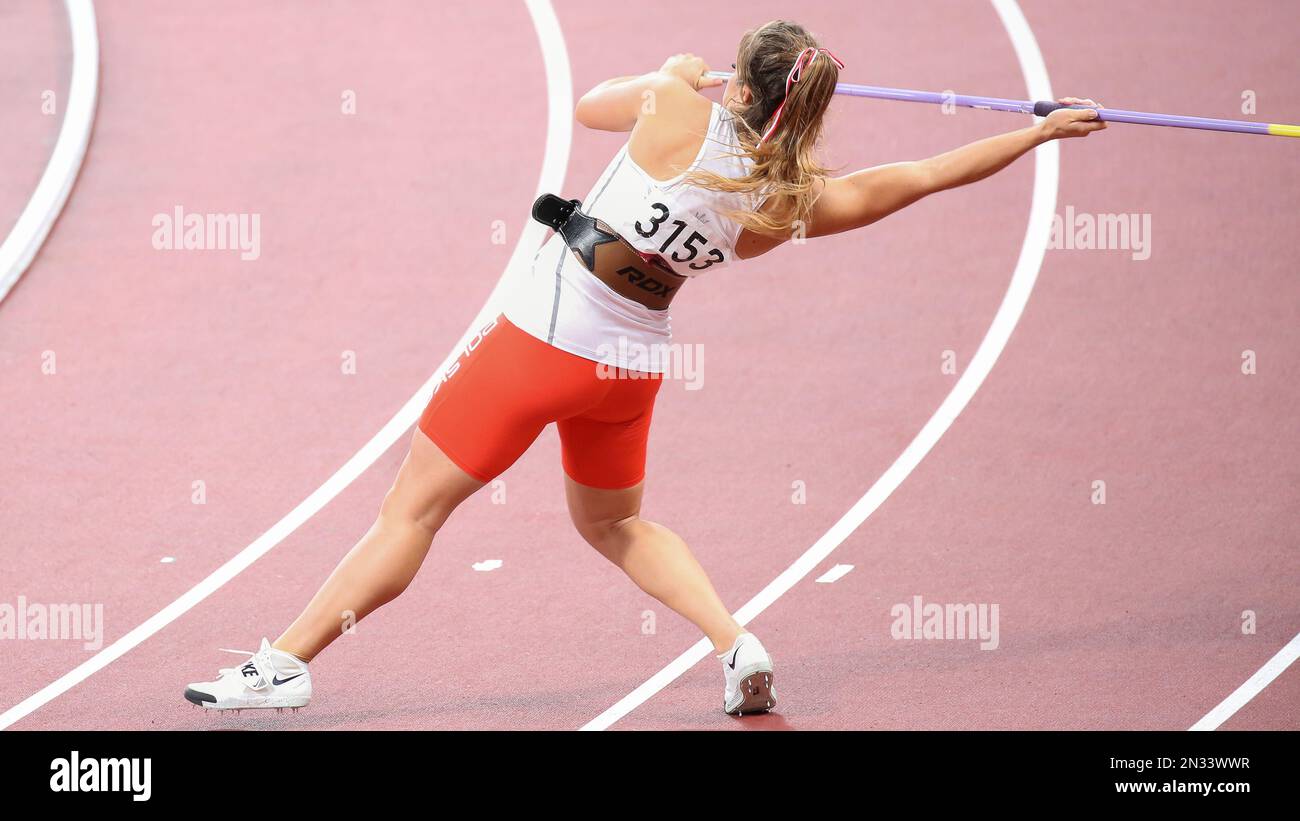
507 385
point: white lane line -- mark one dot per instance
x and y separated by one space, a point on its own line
833 575
1042 207
559 134
1264 676
46 203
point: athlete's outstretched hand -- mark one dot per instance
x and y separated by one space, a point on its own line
692 69
1073 122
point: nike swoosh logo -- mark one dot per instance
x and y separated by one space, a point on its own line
277 681
732 663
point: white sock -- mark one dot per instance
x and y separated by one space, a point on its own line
286 662
725 653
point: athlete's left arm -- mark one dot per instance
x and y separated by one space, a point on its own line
617 104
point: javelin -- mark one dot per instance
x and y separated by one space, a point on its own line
1042 108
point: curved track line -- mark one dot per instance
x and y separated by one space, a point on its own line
559 134
1243 694
46 203
1043 205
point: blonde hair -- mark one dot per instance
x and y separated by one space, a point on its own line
785 168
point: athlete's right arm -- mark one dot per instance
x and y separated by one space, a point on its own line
617 104
872 194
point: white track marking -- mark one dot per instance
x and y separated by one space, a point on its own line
1273 668
559 134
1042 207
37 218
836 573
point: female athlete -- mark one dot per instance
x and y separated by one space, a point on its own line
698 186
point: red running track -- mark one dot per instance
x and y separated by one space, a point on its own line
821 365
34 89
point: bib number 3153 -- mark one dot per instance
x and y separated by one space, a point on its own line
689 248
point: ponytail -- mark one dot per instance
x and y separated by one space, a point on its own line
791 80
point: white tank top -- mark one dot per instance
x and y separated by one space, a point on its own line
562 303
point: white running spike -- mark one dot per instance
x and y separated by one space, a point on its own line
280 682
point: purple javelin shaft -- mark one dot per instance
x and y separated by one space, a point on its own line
1042 108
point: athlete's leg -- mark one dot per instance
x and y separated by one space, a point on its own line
651 555
428 488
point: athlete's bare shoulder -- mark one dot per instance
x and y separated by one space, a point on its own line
671 127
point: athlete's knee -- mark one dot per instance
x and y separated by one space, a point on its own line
428 487
606 535
426 511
